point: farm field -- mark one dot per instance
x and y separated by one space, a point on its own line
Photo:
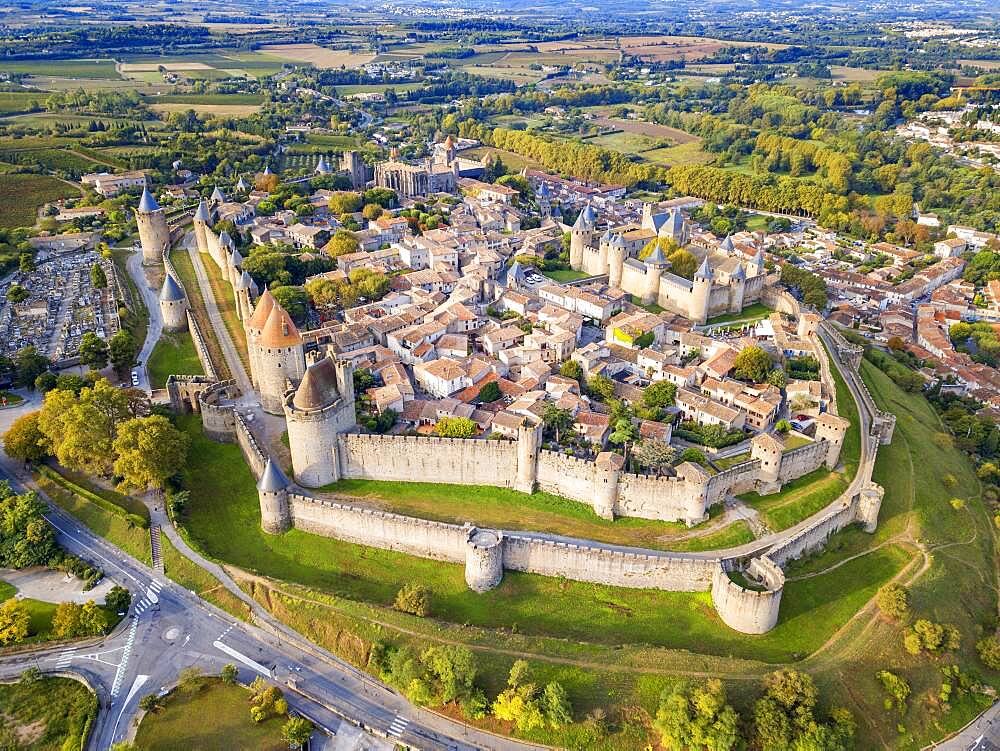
50 714
513 161
320 57
21 195
236 110
664 48
652 130
74 69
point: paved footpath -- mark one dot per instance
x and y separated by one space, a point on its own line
150 298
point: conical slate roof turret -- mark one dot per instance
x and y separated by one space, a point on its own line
656 258
590 214
241 185
171 291
318 387
727 244
218 196
201 214
322 166
273 480
279 331
582 222
225 240
261 311
148 204
759 258
236 259
705 270
739 275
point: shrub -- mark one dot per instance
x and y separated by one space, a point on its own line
989 651
415 599
893 601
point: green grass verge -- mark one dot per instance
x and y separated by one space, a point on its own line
51 714
565 275
210 716
7 590
507 509
185 269
730 536
222 291
174 354
797 499
133 539
223 520
133 510
191 576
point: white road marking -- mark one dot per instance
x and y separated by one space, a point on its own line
398 726
136 685
226 632
120 672
64 658
226 649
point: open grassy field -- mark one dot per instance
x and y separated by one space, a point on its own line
51 714
222 291
514 162
174 354
564 275
210 716
664 48
22 195
82 68
653 130
320 57
756 312
17 101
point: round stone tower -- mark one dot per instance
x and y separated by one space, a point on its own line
737 289
316 413
280 358
201 221
656 262
272 491
253 326
154 234
701 293
869 503
608 471
173 305
529 440
483 559
616 260
580 237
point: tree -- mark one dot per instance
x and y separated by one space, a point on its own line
342 242
344 202
490 392
752 364
697 717
97 277
149 703
66 620
118 599
229 673
657 396
455 427
29 363
601 388
572 369
296 732
122 350
989 651
654 455
556 420
294 300
93 351
529 708
925 635
148 451
372 211
893 601
414 599
15 621
784 718
898 688
777 378
24 441
93 619
266 183
17 294
692 455
624 434
26 538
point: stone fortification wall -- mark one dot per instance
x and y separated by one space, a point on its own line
815 535
201 347
618 568
380 529
780 300
566 476
415 459
740 478
748 610
666 498
252 451
802 460
218 419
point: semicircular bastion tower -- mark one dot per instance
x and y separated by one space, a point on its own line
173 305
277 356
154 234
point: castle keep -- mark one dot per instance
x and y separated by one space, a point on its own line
722 284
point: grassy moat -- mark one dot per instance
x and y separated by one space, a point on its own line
629 644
